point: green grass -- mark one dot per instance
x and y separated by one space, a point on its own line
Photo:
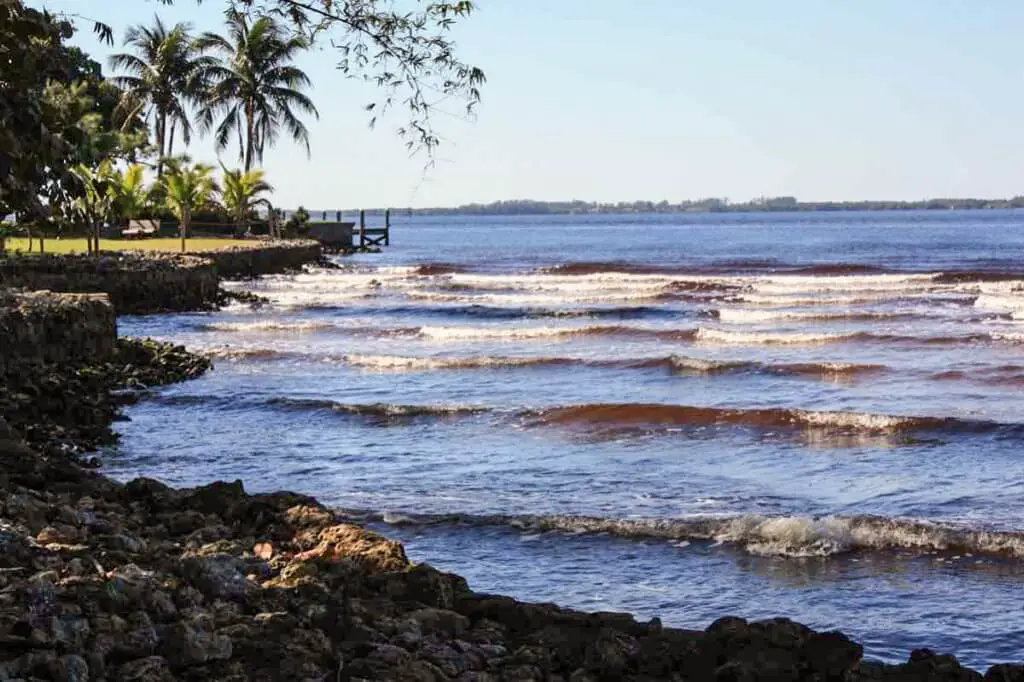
170 245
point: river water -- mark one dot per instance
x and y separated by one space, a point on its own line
819 416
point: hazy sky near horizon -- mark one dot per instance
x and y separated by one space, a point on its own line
672 99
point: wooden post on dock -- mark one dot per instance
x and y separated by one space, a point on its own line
387 227
362 229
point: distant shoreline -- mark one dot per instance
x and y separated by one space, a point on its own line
772 205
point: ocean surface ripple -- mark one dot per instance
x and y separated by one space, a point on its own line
819 416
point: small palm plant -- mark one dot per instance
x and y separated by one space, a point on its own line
241 193
95 203
131 195
187 188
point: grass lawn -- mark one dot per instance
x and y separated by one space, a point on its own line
171 244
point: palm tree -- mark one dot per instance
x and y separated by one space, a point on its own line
241 192
130 192
254 90
187 188
163 78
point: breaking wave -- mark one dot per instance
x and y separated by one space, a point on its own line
393 362
377 410
616 417
267 326
675 363
482 333
741 316
721 336
789 536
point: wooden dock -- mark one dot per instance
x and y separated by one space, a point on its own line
347 237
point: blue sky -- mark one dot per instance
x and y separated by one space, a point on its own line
674 99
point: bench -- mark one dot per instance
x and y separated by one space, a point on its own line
139 229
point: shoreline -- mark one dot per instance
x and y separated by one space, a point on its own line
139 581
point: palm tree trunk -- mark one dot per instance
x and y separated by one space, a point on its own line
186 218
161 126
170 140
250 126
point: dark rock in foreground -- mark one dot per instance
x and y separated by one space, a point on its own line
138 581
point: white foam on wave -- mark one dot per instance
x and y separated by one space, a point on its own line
725 337
400 363
483 333
783 284
859 421
746 316
787 536
1008 337
832 299
269 326
1007 302
536 299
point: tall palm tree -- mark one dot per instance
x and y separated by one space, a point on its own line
187 188
240 193
254 90
162 79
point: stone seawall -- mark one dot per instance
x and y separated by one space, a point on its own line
141 283
44 327
267 259
135 283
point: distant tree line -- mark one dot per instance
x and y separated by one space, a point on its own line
768 204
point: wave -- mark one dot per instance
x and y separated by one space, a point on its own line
738 338
1001 302
674 363
721 336
652 414
430 269
766 266
483 333
267 326
599 267
614 418
964 276
243 353
789 536
393 362
840 269
742 316
377 410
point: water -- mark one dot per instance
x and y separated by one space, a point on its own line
817 416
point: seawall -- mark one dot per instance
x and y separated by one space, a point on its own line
142 282
43 327
266 259
62 368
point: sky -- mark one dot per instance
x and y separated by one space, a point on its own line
604 100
